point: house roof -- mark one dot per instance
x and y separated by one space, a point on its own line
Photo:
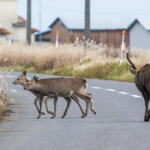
3 31
145 21
106 23
21 22
43 33
96 23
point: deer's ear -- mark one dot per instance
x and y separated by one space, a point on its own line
35 78
24 73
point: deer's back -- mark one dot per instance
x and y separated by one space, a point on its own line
62 85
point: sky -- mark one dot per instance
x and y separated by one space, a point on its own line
51 9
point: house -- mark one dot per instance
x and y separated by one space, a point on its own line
104 31
20 30
12 26
8 14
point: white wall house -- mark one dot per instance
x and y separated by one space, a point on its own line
12 23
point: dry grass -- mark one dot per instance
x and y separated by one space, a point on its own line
68 57
3 98
48 57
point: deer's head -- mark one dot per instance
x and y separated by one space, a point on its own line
21 79
31 84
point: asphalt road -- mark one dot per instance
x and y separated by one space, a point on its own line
118 124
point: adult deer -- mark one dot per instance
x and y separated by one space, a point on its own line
22 80
63 87
142 81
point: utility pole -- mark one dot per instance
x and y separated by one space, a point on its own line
28 24
87 20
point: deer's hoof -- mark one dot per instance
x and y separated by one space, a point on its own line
50 112
83 116
62 116
38 117
95 112
42 113
146 119
52 117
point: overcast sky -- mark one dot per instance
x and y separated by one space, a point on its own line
50 9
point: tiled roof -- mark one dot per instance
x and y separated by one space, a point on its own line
3 31
34 30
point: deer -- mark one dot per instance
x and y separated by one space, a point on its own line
142 82
22 80
63 87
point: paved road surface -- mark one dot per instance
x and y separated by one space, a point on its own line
118 124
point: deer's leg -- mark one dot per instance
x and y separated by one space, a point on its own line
146 118
41 101
68 100
55 103
89 97
82 96
78 103
35 103
92 105
46 105
87 108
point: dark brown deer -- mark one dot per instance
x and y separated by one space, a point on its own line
63 87
22 80
142 81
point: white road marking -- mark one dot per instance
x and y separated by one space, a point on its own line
120 92
125 93
95 87
13 91
111 90
136 96
1 76
10 76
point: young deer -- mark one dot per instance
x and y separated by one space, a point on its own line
63 87
22 80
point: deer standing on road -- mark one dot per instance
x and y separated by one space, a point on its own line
142 81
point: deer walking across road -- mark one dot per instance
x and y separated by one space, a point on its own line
63 87
22 80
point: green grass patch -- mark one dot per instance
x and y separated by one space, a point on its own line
108 71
